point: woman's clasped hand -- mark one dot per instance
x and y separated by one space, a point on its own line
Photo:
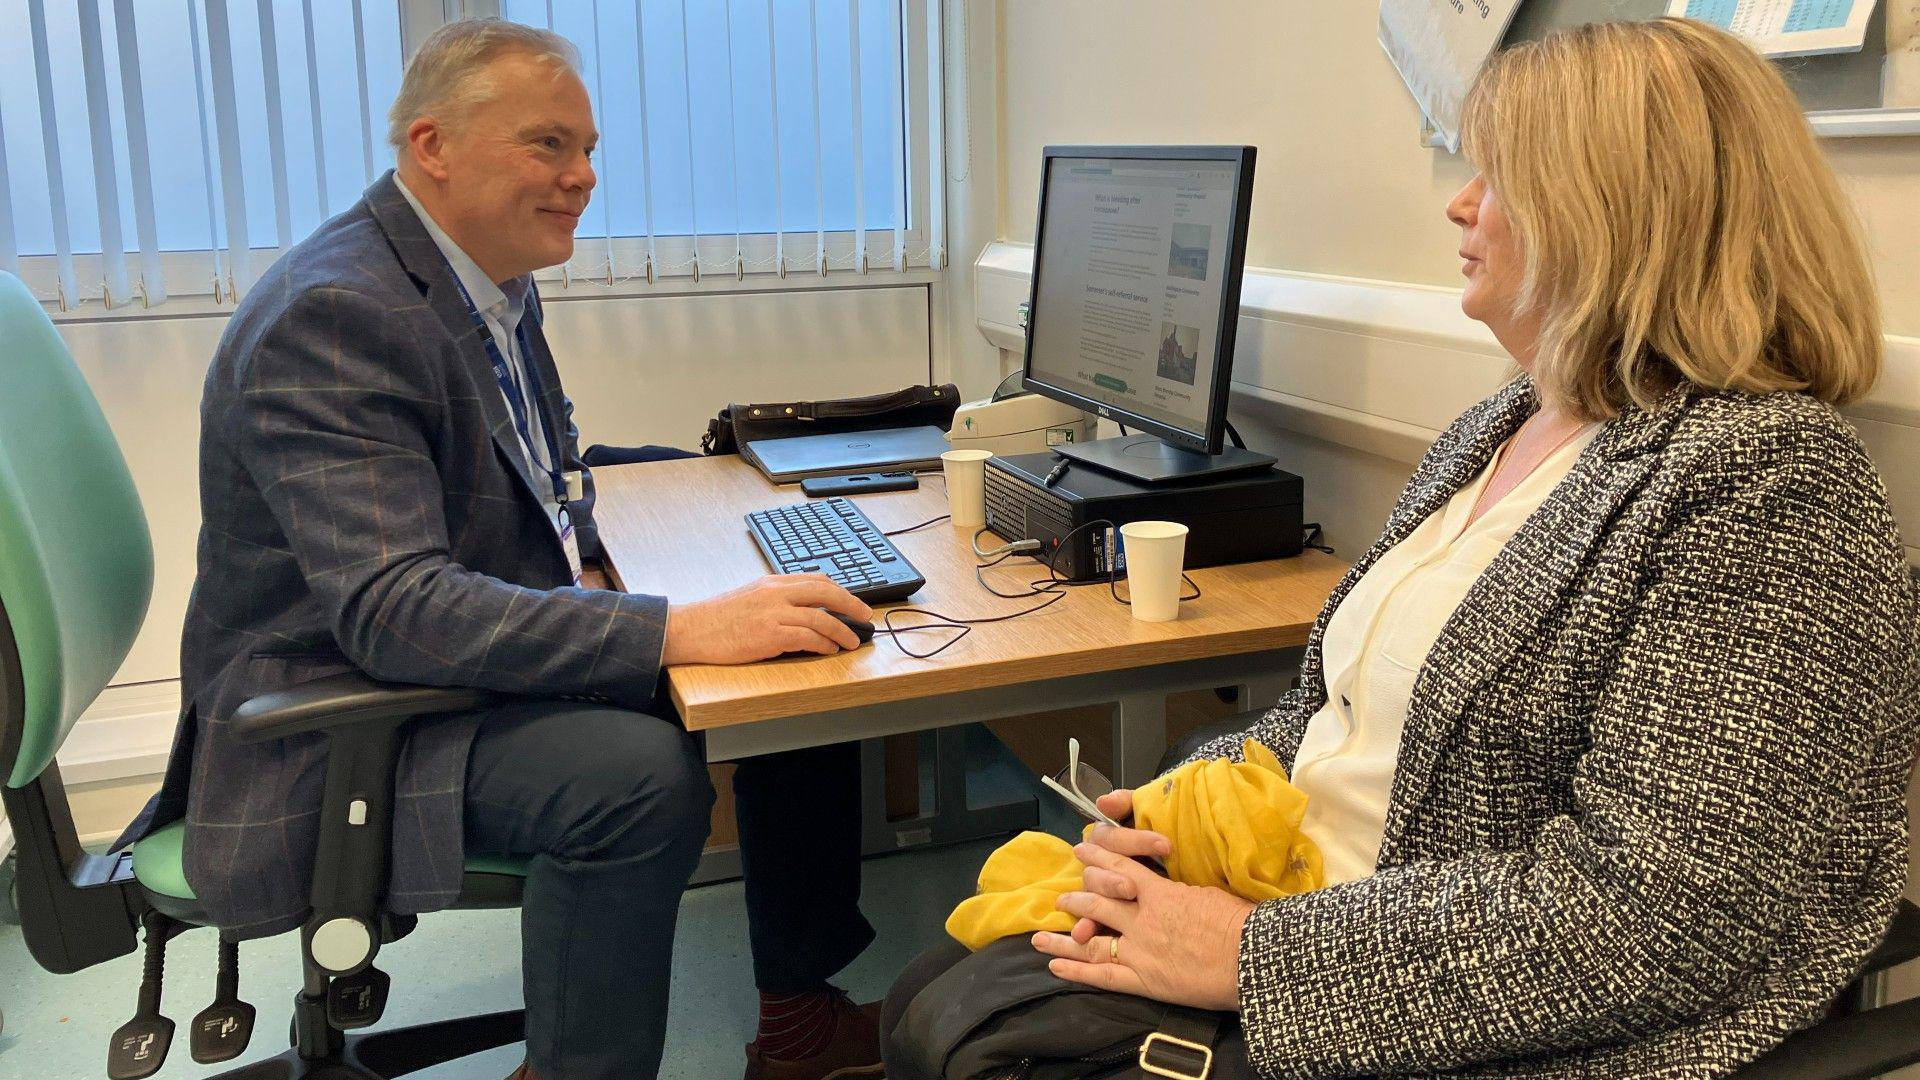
1140 933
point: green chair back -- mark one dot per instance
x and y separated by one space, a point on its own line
76 561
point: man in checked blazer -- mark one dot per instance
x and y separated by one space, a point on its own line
381 429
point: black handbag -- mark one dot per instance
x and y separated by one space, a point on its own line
915 406
999 1014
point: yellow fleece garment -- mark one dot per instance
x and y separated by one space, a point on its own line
1233 826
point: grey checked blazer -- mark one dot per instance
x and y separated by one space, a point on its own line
365 506
1649 815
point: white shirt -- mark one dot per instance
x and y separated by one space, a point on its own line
500 308
1375 645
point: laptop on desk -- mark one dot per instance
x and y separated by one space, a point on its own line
908 449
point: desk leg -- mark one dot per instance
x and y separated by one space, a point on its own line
953 819
1139 736
876 832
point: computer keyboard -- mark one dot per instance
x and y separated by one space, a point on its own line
832 537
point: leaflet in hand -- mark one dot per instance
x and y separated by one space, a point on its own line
1086 806
1082 786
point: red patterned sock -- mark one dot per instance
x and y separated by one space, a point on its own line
795 1026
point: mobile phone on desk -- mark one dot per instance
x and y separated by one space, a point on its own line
820 487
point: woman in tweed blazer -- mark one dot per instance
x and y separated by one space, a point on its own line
1647 816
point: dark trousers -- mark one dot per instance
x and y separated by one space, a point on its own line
611 807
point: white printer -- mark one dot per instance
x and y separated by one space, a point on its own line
1014 421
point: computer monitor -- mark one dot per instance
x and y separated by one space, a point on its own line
1137 261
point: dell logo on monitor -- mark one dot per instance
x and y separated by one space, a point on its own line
1105 413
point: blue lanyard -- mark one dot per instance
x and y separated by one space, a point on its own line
517 402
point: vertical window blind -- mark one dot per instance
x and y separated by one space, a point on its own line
150 150
157 149
745 137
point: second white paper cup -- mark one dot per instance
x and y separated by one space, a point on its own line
966 473
1156 553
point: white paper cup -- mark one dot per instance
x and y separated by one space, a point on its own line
966 473
1156 553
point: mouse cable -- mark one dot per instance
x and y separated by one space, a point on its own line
930 521
965 626
916 528
942 623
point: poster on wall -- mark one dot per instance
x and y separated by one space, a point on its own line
1786 27
1439 47
1901 83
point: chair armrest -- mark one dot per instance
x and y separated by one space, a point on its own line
1856 1047
363 720
1902 942
348 699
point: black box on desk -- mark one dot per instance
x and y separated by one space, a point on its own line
1240 518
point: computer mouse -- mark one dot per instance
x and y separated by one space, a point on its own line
861 628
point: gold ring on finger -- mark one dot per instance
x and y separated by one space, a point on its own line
1113 949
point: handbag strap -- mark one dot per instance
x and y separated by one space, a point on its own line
845 407
1182 1048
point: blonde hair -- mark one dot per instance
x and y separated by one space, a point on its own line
449 76
1680 222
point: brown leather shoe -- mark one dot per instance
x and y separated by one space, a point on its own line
524 1072
854 1050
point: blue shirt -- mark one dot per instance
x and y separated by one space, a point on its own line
501 307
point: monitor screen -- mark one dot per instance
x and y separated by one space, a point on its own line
1136 284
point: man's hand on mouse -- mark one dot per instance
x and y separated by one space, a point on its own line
784 613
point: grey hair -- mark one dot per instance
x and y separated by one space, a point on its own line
448 76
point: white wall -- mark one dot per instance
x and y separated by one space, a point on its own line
975 185
147 375
1343 185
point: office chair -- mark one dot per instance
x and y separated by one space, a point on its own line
76 573
1860 1038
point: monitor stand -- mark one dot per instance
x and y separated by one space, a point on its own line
1151 461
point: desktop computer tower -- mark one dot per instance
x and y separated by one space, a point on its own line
1242 517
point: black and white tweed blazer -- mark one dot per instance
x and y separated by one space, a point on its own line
1649 815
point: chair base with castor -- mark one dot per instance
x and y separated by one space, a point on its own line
385 1055
80 910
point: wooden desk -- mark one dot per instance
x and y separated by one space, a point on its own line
676 529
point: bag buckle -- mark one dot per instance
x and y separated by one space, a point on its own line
1204 1052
